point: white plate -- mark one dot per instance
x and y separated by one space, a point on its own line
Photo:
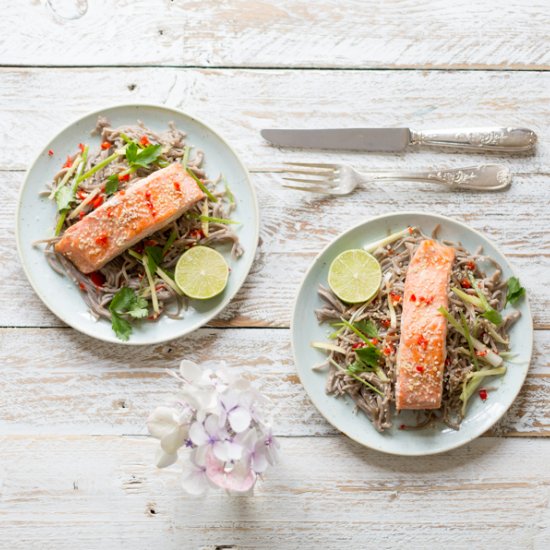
36 215
339 412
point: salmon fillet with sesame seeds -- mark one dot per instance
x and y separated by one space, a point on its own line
128 217
422 350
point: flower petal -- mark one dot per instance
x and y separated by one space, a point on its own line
163 460
258 460
171 442
239 419
190 371
197 434
195 481
161 422
221 451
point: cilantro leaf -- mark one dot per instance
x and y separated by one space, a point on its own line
146 156
493 315
138 309
515 290
126 301
131 152
122 300
112 184
357 367
173 236
370 355
63 197
154 257
368 328
121 327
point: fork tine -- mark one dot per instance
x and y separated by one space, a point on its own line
313 164
326 182
313 189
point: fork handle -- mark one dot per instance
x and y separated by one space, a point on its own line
480 139
486 177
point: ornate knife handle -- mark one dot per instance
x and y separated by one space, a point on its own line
485 177
480 139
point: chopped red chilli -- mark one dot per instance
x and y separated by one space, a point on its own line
422 342
102 241
68 162
97 278
144 141
124 177
483 394
419 368
81 146
97 202
50 152
413 298
106 145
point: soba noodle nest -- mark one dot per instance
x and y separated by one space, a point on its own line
394 260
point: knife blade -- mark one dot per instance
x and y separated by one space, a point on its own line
398 139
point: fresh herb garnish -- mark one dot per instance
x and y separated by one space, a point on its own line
173 236
126 302
515 290
201 185
112 184
154 257
367 327
370 355
357 367
137 157
212 219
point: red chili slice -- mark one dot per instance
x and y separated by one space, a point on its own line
102 241
465 283
419 368
483 394
358 345
106 145
50 152
124 177
144 141
68 162
97 278
81 146
412 298
98 201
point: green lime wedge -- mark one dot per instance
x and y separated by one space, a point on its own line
201 273
355 276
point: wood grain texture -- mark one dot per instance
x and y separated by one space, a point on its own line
102 492
58 381
510 34
296 226
37 103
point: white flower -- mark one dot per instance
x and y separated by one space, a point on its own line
195 481
235 408
259 449
239 478
198 390
210 433
172 428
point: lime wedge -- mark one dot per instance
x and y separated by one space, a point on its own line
355 276
201 273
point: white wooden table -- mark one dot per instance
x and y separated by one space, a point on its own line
75 462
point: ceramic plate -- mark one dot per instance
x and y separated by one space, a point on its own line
339 412
35 219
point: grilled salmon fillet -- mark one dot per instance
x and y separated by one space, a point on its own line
422 351
128 217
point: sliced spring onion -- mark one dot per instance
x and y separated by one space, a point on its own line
388 240
357 331
473 380
84 203
328 347
154 298
203 218
468 337
100 165
201 185
166 278
336 333
172 237
185 158
489 355
368 384
66 178
468 298
228 192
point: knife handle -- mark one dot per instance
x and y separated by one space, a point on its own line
480 139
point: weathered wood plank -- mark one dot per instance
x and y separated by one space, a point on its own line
287 33
58 381
102 492
36 103
295 226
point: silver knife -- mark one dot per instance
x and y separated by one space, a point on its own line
398 139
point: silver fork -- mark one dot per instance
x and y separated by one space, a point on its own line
341 179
